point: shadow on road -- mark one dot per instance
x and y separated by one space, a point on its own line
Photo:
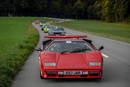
75 80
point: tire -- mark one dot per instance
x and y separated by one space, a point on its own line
41 76
45 32
99 79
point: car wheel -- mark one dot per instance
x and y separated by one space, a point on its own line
98 79
45 31
41 76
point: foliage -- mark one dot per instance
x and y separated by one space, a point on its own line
24 37
12 61
108 10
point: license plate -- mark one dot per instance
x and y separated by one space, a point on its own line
72 72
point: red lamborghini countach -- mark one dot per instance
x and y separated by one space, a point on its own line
70 57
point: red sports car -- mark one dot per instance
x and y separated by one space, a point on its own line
37 22
70 57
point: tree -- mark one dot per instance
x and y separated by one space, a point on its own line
78 9
108 10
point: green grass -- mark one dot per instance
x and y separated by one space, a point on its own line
117 31
13 31
17 40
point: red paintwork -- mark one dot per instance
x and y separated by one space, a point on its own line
66 61
70 36
37 22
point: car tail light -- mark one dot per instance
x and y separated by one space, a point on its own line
94 63
49 64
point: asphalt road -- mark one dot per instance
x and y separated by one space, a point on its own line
116 67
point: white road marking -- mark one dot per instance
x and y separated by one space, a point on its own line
105 55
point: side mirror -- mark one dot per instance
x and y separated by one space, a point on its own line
101 48
38 49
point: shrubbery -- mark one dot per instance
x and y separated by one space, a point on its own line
13 60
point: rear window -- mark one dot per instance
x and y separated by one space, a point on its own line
69 46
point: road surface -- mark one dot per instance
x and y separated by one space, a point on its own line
116 67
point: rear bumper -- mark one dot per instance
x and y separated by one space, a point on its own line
90 74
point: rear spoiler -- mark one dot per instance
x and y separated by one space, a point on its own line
68 36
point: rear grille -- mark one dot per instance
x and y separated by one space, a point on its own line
94 74
83 75
73 73
57 33
61 75
51 74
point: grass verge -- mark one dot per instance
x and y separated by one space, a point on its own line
13 31
12 61
117 31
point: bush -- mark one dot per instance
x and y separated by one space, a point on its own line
13 60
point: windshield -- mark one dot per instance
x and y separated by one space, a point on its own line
69 47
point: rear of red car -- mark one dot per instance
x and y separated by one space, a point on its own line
77 65
72 73
86 64
37 22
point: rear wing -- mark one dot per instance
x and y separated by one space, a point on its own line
68 36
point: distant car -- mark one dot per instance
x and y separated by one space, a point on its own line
46 28
56 31
37 22
70 57
42 23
